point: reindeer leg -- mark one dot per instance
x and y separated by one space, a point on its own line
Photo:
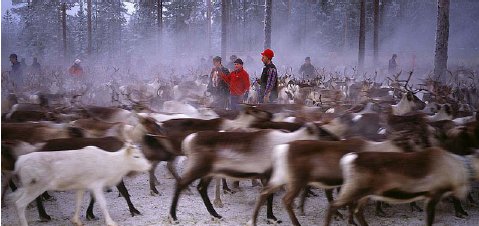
333 207
44 217
302 200
153 190
414 206
351 208
171 167
236 185
192 173
8 178
471 200
226 189
459 211
217 202
203 190
347 198
269 211
269 204
379 209
47 197
292 192
254 182
89 212
260 202
99 196
360 212
79 199
153 176
431 209
329 196
124 192
309 192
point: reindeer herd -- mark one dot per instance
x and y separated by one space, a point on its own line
389 143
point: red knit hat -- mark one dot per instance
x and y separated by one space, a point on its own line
268 53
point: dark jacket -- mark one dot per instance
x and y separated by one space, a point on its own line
17 74
307 70
392 66
218 85
36 67
269 81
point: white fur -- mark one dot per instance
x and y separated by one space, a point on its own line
289 119
186 145
440 115
382 146
174 106
88 168
382 131
464 120
241 122
403 107
336 127
134 133
348 159
367 109
202 113
330 110
357 117
280 165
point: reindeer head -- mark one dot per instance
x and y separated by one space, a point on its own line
259 114
414 101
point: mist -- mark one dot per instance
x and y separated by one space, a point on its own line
126 36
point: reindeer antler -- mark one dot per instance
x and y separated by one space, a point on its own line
408 79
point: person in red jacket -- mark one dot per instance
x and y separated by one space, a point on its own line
76 69
239 84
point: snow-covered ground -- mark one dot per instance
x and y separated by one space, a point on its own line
237 208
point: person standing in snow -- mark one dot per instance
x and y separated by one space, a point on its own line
307 69
269 78
76 69
217 85
239 84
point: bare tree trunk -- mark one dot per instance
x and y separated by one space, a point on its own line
267 23
376 31
118 13
89 48
159 21
244 26
159 14
304 27
233 21
64 29
362 33
381 13
288 13
442 37
346 31
208 24
224 25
